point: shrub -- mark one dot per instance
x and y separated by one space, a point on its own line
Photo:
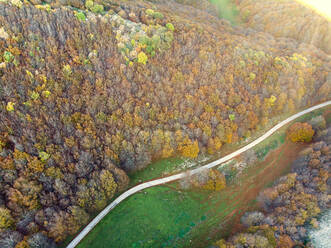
149 12
97 8
80 16
8 56
34 95
89 4
158 15
170 27
44 156
300 132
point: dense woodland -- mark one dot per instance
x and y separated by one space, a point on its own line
92 90
287 18
292 205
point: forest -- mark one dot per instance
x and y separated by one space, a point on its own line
90 91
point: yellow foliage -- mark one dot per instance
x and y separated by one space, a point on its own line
108 183
54 172
46 93
36 165
214 145
10 106
142 58
216 181
30 75
2 145
6 219
167 151
188 149
229 137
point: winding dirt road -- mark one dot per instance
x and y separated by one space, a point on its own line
168 179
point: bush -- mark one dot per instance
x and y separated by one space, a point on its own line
80 16
97 8
300 132
170 27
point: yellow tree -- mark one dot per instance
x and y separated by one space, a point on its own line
188 149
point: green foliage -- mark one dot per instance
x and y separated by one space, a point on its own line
44 156
170 27
97 8
226 9
158 15
34 95
8 57
80 16
232 117
261 153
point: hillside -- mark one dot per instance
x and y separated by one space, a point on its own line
287 18
90 91
292 205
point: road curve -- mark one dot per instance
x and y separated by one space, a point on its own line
160 181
